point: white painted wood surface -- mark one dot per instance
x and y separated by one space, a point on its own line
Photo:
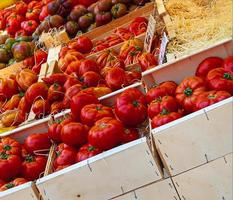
162 190
196 138
104 176
26 191
212 181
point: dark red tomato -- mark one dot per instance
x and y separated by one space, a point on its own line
33 167
74 134
228 63
208 64
70 82
55 92
82 44
14 183
133 76
164 117
88 65
94 112
220 79
58 78
131 107
90 79
35 91
54 132
211 97
188 90
116 78
36 142
65 155
87 151
29 62
106 133
167 102
79 101
10 146
129 135
10 166
70 92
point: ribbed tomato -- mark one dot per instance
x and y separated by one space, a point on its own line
87 151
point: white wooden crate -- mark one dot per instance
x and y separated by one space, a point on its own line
104 176
25 191
187 65
212 181
196 138
41 126
162 190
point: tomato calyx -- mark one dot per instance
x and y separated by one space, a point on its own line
227 76
30 158
91 148
4 156
164 112
135 103
103 125
188 91
10 185
30 24
21 94
212 96
98 108
7 147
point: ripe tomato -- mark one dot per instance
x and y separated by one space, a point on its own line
44 13
33 14
90 79
14 183
29 26
60 167
133 76
8 87
188 90
39 141
55 92
79 101
54 132
131 107
70 82
228 63
65 155
164 117
74 134
40 56
36 90
87 151
88 65
116 78
12 103
30 61
33 167
208 64
25 78
82 44
24 105
56 107
10 166
167 102
2 183
129 135
41 108
94 112
73 68
21 8
211 97
106 133
70 92
220 79
10 146
138 26
58 78
147 60
170 87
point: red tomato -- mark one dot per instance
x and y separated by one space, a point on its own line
138 26
65 155
88 65
167 102
40 108
56 107
116 78
14 183
70 82
87 151
10 146
165 117
54 132
73 68
35 91
70 92
106 133
33 14
40 56
228 63
29 26
220 79
82 44
2 183
8 87
55 92
131 107
129 135
21 8
35 4
10 166
74 134
208 64
60 167
13 24
44 13
94 112
211 97
188 90
29 62
79 101
20 33
86 3
58 78
147 61
25 78
12 103
33 167
170 87
132 77
90 79
39 141
24 105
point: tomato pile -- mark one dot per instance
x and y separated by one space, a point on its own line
20 163
213 83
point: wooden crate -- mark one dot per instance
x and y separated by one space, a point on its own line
26 191
104 176
164 190
211 181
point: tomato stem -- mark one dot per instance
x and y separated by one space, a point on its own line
91 148
7 147
30 158
227 76
10 185
164 112
188 91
